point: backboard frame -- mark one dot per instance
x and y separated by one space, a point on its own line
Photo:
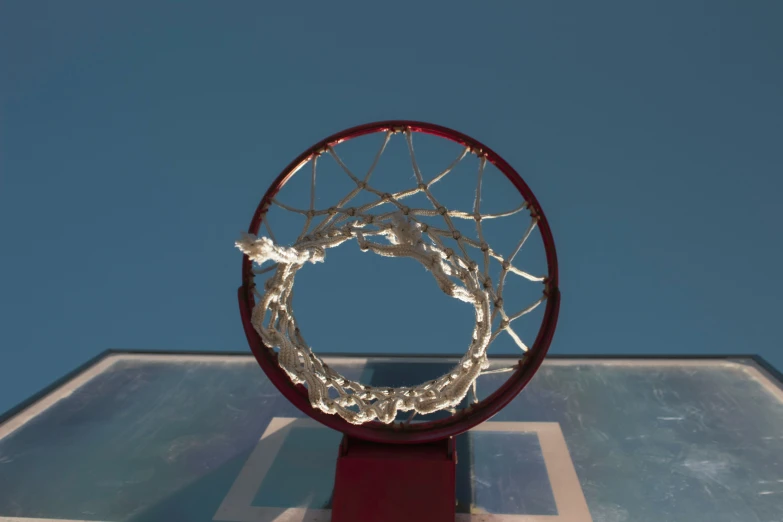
548 393
772 372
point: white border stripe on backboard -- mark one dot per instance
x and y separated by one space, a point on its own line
237 506
570 502
563 480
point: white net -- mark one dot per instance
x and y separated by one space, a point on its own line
387 227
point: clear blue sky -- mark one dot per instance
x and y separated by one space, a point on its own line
136 140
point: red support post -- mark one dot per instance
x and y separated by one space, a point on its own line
378 482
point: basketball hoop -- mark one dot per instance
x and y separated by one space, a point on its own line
387 226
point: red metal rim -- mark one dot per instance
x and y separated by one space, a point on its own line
421 431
